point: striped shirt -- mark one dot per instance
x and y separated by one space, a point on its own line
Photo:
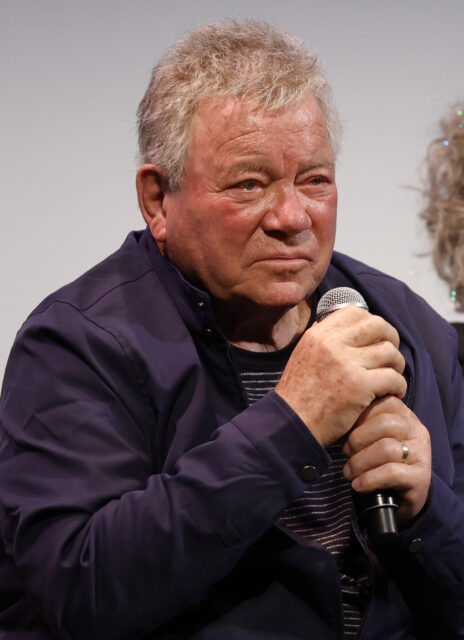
322 513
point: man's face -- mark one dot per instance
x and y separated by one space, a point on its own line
255 218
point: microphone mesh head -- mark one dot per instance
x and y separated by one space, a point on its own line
338 298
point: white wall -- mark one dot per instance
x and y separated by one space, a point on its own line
72 74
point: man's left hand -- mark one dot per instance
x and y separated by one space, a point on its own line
389 448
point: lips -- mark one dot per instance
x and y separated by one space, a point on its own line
290 256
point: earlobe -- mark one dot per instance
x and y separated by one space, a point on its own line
150 192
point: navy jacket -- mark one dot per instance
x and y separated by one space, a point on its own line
138 491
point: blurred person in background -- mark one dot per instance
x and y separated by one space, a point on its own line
444 207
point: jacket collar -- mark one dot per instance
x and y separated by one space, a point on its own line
193 304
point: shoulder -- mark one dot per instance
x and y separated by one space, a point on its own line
105 280
122 295
114 308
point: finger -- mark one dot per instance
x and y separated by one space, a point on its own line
380 452
387 404
380 355
392 475
387 381
385 425
370 329
410 482
386 417
361 327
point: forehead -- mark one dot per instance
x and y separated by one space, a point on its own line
226 124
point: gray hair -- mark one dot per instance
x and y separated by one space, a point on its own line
249 60
444 207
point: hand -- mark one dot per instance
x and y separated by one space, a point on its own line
375 450
338 368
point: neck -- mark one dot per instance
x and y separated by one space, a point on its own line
264 330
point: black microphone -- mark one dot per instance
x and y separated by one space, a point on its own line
379 508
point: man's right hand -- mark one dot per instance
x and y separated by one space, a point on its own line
339 367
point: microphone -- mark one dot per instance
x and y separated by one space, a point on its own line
378 508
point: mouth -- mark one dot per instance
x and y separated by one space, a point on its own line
291 265
284 258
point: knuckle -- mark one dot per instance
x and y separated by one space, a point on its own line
422 432
381 324
394 406
401 385
385 448
354 441
396 420
375 319
390 349
365 483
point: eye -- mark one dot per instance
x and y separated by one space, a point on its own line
317 180
247 185
314 184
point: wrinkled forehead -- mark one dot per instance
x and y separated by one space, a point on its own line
224 117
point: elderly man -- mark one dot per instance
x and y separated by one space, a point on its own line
180 440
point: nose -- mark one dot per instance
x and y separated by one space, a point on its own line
286 213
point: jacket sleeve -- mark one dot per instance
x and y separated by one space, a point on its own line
429 564
107 548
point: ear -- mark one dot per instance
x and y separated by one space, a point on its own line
151 191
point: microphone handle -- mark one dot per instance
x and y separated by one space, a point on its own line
379 510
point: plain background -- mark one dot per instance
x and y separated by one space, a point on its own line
73 72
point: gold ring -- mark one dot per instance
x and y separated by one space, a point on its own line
405 449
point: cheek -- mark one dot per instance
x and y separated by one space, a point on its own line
329 226
233 226
324 220
184 239
184 226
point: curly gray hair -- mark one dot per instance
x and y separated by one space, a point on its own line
250 60
444 210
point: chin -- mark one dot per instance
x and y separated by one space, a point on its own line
283 295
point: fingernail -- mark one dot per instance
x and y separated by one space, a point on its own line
347 471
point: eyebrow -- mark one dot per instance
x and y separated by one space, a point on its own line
262 167
249 165
319 164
